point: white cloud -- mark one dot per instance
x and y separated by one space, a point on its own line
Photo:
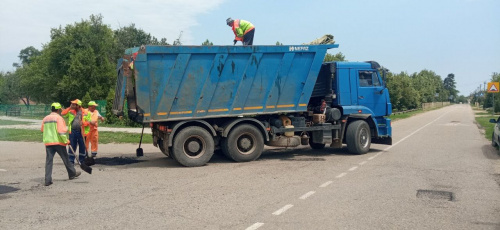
26 23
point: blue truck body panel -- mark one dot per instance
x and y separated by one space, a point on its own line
190 82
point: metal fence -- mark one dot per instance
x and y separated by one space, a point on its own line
39 110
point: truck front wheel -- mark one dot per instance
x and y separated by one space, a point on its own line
193 146
358 137
244 143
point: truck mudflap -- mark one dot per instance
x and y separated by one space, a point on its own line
382 140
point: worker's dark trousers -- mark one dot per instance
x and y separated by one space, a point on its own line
51 151
76 138
248 38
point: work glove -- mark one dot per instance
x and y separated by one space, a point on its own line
234 42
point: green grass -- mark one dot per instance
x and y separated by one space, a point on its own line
20 135
9 122
485 113
487 126
104 137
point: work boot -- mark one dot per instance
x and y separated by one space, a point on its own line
75 176
48 183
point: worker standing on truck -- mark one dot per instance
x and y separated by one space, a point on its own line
76 125
92 136
54 137
243 31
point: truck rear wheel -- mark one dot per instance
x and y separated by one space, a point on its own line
244 143
193 146
358 137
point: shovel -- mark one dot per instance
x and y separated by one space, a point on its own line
88 160
84 167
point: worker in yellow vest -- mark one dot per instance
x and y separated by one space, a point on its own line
243 31
54 137
92 136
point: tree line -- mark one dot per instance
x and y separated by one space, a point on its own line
487 100
80 61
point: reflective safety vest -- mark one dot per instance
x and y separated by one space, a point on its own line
54 130
71 113
92 116
240 28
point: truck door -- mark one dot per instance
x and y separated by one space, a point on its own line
370 92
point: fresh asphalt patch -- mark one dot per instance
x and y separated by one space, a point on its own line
114 161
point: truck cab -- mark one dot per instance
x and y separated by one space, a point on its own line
358 90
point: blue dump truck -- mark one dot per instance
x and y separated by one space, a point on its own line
197 99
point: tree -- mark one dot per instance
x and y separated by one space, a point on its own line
337 57
130 36
403 94
207 43
430 86
86 99
26 55
279 43
8 87
78 59
450 85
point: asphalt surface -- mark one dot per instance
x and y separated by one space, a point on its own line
440 173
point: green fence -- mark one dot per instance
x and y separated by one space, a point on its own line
39 111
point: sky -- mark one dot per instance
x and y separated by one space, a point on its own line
446 36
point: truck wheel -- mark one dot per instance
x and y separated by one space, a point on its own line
316 145
244 143
358 137
193 146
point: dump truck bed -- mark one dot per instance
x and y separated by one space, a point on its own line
192 82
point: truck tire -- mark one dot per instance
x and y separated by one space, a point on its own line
244 143
316 145
358 137
193 146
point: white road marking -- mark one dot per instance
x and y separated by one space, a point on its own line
305 196
255 226
376 155
308 194
282 210
411 134
341 175
326 184
3 170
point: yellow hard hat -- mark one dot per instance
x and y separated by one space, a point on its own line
56 105
92 103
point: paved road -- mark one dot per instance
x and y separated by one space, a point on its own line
440 174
